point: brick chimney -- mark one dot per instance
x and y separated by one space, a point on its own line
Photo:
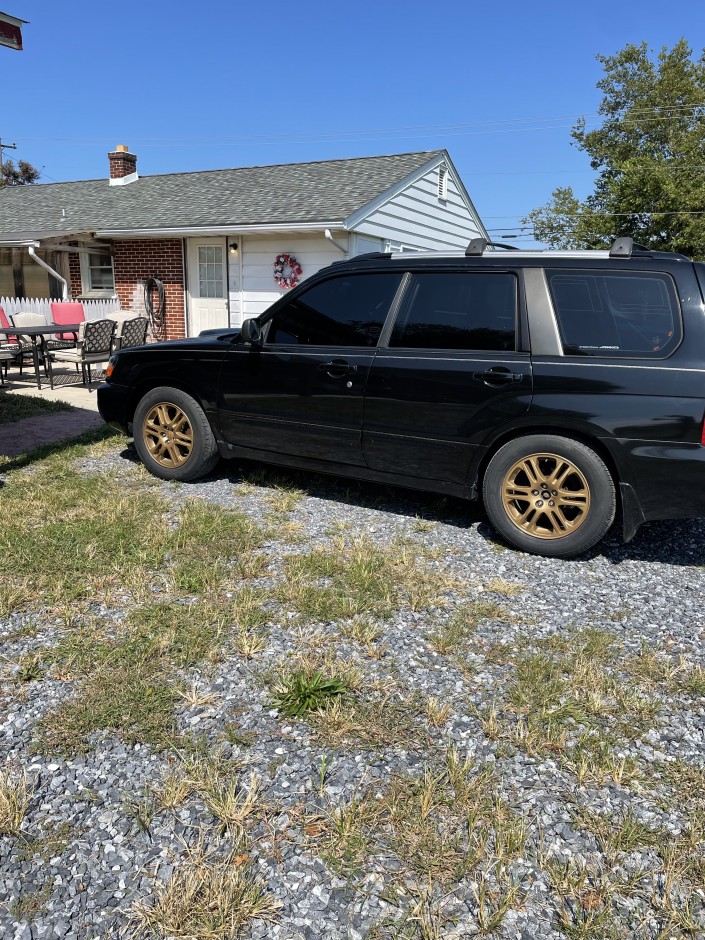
123 164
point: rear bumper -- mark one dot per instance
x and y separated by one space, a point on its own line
112 405
667 480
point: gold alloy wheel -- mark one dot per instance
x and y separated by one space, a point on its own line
168 435
545 495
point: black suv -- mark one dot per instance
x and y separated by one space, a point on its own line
556 385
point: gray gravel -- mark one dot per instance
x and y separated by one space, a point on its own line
649 593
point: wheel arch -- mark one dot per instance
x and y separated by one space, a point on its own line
595 443
140 389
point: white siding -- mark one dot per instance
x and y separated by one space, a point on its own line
417 218
258 289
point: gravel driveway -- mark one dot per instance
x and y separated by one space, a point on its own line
522 754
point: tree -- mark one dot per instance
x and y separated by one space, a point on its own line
21 175
649 154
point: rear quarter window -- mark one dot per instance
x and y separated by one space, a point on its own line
621 314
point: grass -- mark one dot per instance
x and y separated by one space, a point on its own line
358 578
448 637
441 826
18 407
53 842
208 897
129 684
30 904
15 796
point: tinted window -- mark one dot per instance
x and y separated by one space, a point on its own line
458 311
616 314
343 311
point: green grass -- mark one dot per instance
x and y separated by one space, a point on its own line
16 407
302 692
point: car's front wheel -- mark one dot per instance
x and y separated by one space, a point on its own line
549 495
172 435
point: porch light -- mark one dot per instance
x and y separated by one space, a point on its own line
233 248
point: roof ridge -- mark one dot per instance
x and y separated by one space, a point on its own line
254 166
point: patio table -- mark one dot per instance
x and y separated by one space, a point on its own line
38 332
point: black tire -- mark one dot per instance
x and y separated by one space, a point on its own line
172 435
560 520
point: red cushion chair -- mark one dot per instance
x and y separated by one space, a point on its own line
65 311
6 340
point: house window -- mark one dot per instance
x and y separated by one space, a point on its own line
443 183
97 275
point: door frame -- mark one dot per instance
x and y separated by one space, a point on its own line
188 248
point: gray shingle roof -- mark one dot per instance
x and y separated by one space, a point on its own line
325 191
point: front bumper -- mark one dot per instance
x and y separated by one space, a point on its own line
112 405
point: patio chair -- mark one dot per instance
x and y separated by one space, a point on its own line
6 356
95 340
8 342
65 311
130 332
28 318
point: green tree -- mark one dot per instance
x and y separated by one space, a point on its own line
649 155
21 174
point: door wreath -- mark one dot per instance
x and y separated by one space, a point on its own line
287 271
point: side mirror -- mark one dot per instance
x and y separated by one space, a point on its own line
251 332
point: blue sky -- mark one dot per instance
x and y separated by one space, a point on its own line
192 87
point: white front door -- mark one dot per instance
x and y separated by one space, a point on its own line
207 284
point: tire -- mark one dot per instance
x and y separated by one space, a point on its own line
567 516
172 435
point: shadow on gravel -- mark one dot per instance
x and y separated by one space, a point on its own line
679 542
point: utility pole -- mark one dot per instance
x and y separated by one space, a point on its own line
2 166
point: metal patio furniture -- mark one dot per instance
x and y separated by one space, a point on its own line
131 331
94 344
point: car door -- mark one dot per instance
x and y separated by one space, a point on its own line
301 392
450 372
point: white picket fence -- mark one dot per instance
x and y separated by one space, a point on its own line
94 309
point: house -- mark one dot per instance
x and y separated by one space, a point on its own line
212 237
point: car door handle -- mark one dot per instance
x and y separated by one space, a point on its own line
337 368
498 376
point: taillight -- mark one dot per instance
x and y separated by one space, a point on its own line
702 434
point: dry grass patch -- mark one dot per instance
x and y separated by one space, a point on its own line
208 897
129 685
15 796
358 578
392 720
449 636
440 826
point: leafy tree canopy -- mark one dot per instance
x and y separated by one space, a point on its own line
649 154
17 175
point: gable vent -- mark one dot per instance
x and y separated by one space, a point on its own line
443 182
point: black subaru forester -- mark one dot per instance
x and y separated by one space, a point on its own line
558 386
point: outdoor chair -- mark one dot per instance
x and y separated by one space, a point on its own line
64 311
6 356
130 332
26 346
95 339
8 342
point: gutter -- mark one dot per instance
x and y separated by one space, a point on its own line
35 257
207 230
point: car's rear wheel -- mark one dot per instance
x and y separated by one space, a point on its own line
172 435
549 495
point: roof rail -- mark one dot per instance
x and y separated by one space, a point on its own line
477 246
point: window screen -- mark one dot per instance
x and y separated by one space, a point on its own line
621 314
343 311
458 311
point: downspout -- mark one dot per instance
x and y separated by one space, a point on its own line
330 238
35 257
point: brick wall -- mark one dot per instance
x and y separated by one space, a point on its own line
135 260
74 274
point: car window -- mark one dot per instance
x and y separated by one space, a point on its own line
458 311
620 314
342 311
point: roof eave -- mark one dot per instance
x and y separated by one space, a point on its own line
184 231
